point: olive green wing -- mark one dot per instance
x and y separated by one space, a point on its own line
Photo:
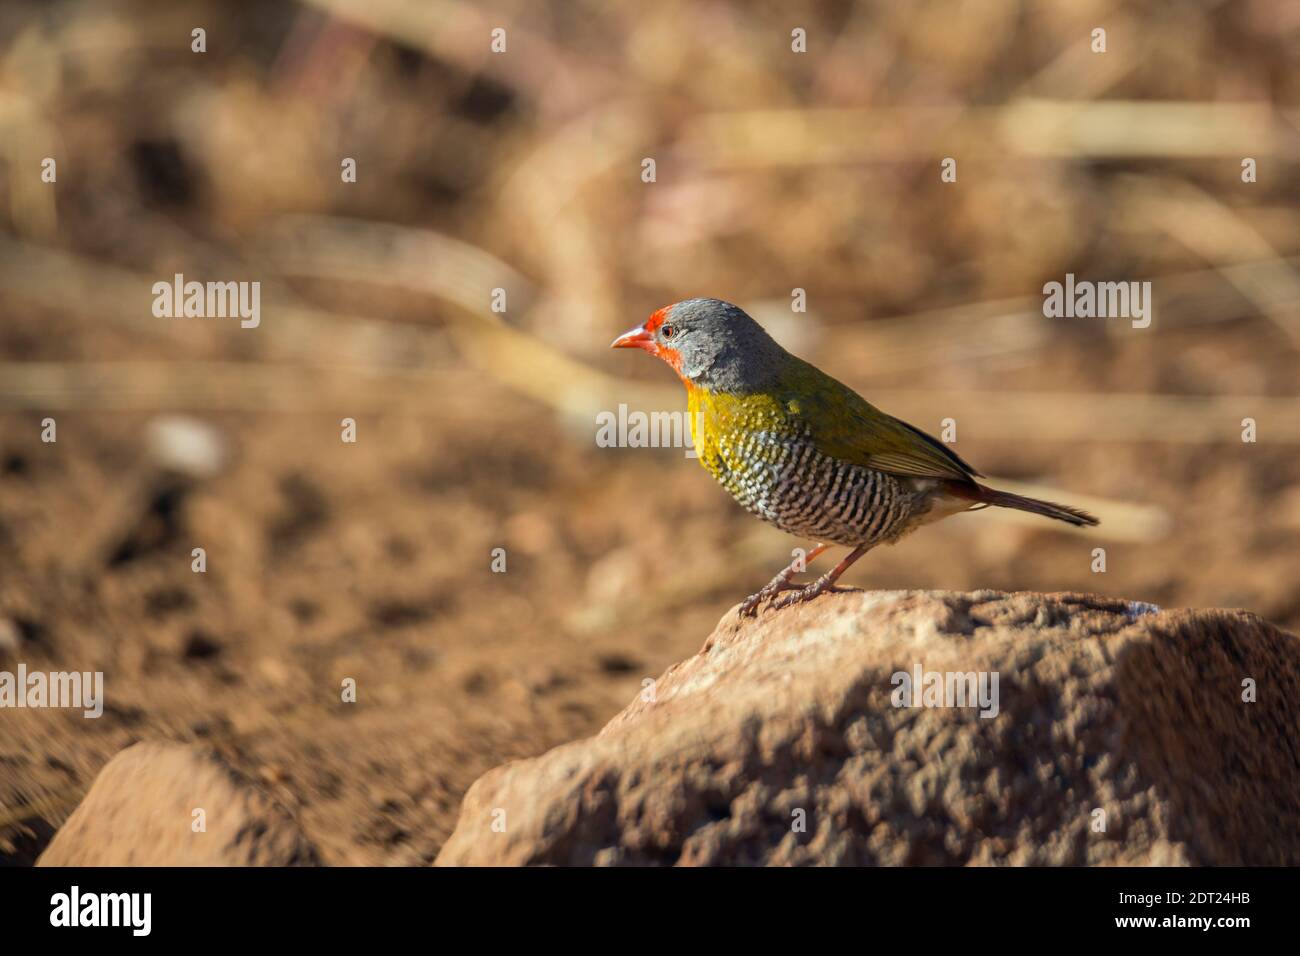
845 426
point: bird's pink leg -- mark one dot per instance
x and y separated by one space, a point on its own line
824 583
781 582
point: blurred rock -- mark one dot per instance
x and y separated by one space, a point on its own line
140 810
531 532
187 446
10 638
1109 714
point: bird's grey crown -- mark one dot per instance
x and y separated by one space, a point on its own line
722 348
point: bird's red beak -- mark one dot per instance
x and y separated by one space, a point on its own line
638 338
643 337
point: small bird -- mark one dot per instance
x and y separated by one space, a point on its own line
805 452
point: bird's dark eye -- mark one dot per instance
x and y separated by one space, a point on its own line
668 331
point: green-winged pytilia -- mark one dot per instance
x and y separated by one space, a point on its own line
805 452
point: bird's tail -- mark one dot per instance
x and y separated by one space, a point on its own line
982 494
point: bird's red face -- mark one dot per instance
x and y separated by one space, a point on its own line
655 336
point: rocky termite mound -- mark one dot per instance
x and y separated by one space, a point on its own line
1118 734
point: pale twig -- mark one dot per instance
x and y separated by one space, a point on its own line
422 260
937 337
74 284
1219 234
1061 129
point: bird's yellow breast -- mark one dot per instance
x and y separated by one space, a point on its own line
722 425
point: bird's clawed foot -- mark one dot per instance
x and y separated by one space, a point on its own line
774 587
782 582
823 585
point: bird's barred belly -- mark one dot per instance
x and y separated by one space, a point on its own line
812 495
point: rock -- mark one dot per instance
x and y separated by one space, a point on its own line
1109 714
140 811
10 637
187 446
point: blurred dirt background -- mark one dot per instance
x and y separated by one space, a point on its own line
522 171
